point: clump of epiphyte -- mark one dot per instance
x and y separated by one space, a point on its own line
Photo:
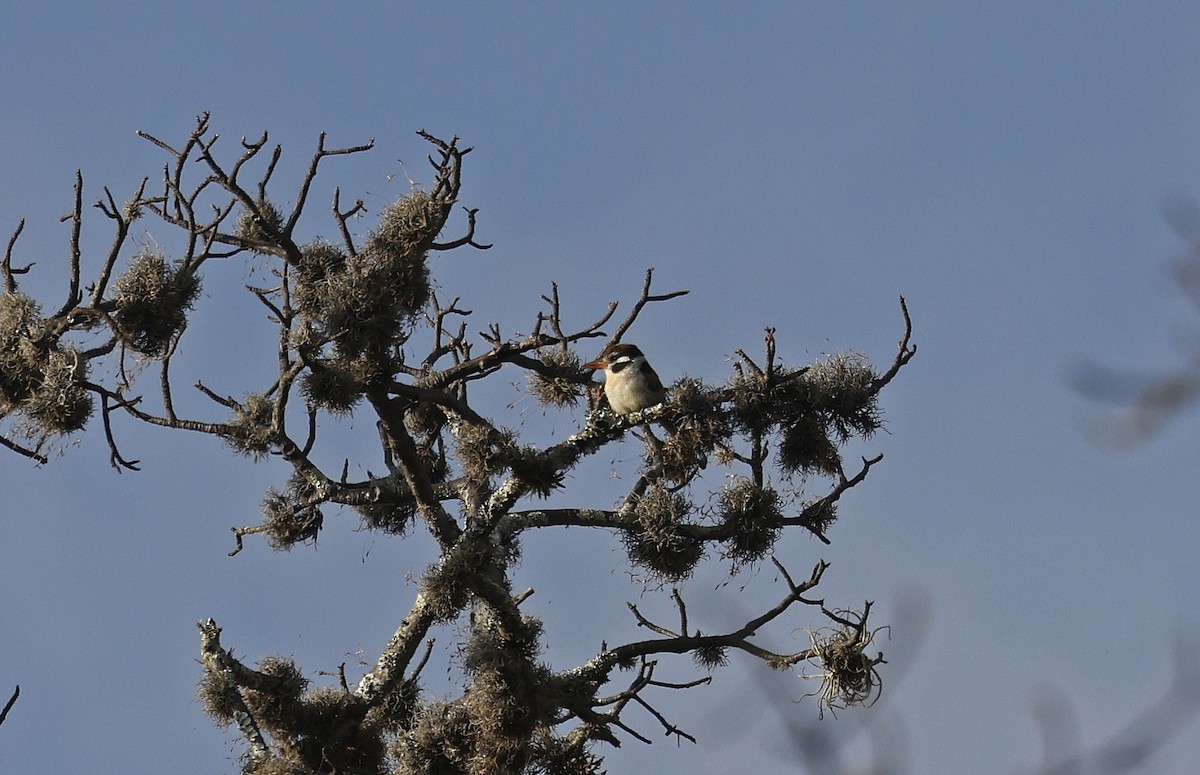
365 303
842 388
446 584
394 711
445 594
409 225
441 738
806 447
152 300
290 681
832 401
251 429
819 515
370 304
425 419
561 382
394 512
537 471
323 730
331 387
277 702
331 733
711 657
483 451
23 349
848 676
504 703
319 261
759 400
812 409
655 542
699 428
218 697
290 517
752 516
39 377
563 755
260 226
132 210
60 404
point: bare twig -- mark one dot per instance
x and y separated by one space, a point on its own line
642 301
11 701
904 353
20 450
306 184
10 284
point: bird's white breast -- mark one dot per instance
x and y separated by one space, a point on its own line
627 389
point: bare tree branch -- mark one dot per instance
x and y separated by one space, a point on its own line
8 705
640 304
10 285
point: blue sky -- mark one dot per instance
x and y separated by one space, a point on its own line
1002 165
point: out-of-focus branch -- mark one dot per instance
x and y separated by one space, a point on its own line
1147 401
1130 749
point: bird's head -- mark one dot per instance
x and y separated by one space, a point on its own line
616 356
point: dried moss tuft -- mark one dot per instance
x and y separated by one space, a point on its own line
289 519
251 430
331 387
848 676
60 404
753 517
711 657
655 542
564 384
153 298
263 227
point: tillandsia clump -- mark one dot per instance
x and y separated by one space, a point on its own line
42 379
23 351
561 382
656 542
260 224
848 675
361 337
152 300
753 516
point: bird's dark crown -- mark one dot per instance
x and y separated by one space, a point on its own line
621 350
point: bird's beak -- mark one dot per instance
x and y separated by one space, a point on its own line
599 363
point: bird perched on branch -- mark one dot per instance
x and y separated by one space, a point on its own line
629 382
